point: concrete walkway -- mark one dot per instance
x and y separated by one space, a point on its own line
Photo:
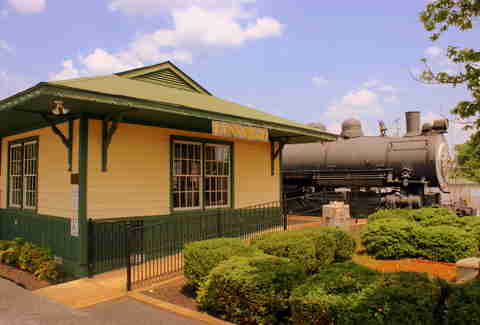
22 307
87 292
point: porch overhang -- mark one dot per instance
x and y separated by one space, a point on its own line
24 110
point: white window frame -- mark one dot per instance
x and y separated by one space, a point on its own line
203 143
200 188
28 169
229 176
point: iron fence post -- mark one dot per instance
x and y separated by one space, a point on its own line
219 221
91 245
283 209
127 256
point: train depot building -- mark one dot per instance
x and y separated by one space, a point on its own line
145 144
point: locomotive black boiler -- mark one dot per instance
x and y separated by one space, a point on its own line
409 170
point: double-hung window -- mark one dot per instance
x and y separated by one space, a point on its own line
201 175
22 174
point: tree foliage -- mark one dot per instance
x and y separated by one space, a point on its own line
468 156
438 17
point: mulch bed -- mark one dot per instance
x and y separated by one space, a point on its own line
175 292
445 271
24 279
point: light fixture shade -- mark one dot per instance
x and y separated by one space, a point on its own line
58 108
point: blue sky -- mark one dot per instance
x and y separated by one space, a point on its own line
304 60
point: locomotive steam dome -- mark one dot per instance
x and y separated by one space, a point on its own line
352 128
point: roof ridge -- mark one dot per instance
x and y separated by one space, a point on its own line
82 78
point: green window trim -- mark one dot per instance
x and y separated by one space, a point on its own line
22 142
203 142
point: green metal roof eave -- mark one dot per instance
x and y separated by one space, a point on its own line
135 103
21 97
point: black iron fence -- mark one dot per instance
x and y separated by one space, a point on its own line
151 248
155 251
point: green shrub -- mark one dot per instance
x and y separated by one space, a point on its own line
345 244
10 252
312 250
202 256
389 214
463 304
399 298
390 238
445 243
251 290
29 257
47 270
331 295
434 217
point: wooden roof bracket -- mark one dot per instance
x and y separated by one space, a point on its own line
109 127
67 142
275 153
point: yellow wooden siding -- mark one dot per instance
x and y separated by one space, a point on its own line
54 189
137 182
254 183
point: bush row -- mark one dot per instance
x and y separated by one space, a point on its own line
430 233
267 289
311 248
29 257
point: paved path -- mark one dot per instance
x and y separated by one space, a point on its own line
22 307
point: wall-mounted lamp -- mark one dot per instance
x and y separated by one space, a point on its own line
59 108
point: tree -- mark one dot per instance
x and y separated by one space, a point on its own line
438 17
468 157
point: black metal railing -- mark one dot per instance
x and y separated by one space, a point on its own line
154 251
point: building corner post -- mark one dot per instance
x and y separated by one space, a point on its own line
82 201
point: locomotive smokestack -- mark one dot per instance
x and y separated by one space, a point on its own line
413 123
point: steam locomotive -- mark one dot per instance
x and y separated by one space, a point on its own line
372 171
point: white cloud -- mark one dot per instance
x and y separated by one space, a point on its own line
151 7
196 26
4 46
320 81
68 72
28 6
365 103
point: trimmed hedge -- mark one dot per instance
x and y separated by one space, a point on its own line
445 243
251 290
345 244
399 298
331 295
312 247
202 256
312 250
463 304
429 233
389 214
390 238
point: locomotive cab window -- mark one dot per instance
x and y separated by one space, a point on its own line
201 175
23 174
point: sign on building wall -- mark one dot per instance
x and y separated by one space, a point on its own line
234 130
74 219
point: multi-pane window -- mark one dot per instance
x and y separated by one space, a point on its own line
201 175
23 178
217 175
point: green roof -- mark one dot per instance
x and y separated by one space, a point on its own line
122 87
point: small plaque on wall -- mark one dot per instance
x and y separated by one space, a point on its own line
74 227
